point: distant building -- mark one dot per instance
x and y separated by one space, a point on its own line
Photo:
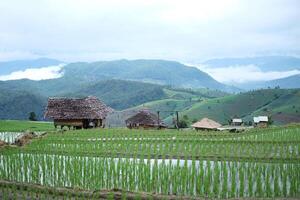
78 113
144 119
206 124
236 122
261 121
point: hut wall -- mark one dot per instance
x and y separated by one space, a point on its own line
68 122
236 123
262 124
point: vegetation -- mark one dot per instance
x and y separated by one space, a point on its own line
21 126
261 163
246 105
32 116
23 96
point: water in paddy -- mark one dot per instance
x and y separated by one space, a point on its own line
10 137
167 176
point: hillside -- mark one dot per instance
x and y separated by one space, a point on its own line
245 105
288 82
284 109
18 104
166 107
118 94
152 71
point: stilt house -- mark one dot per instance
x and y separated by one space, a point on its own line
144 119
78 113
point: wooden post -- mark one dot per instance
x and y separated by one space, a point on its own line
177 120
158 124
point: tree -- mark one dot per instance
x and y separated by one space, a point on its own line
185 117
182 124
32 116
270 121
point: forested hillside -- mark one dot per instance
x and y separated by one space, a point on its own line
270 102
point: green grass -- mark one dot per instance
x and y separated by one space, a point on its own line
20 126
261 163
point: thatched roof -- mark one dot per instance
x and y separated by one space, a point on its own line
145 117
75 108
206 124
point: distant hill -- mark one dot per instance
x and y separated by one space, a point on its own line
287 83
119 94
265 63
152 71
18 65
245 105
18 104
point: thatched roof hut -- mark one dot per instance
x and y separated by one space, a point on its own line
206 124
144 119
261 121
79 112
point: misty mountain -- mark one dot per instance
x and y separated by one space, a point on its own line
265 63
151 71
18 65
286 83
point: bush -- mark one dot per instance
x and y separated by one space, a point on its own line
32 116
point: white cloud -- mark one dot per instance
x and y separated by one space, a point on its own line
49 72
243 74
186 31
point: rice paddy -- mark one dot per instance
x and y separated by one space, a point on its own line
260 163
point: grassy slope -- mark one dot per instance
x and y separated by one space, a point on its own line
164 106
241 105
176 100
16 125
283 110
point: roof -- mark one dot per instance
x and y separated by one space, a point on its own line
145 117
206 123
237 120
76 108
260 119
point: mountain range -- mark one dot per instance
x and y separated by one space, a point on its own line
129 85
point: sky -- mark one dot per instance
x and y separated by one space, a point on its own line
188 31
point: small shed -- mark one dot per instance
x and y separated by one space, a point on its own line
87 112
206 124
144 119
261 121
236 122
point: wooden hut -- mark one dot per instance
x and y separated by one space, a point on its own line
261 121
236 122
78 113
144 119
206 124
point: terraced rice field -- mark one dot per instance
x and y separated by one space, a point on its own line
260 163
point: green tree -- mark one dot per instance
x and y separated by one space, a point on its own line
32 116
182 124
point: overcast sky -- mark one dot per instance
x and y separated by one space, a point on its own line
186 31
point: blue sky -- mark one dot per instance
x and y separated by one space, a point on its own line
189 31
